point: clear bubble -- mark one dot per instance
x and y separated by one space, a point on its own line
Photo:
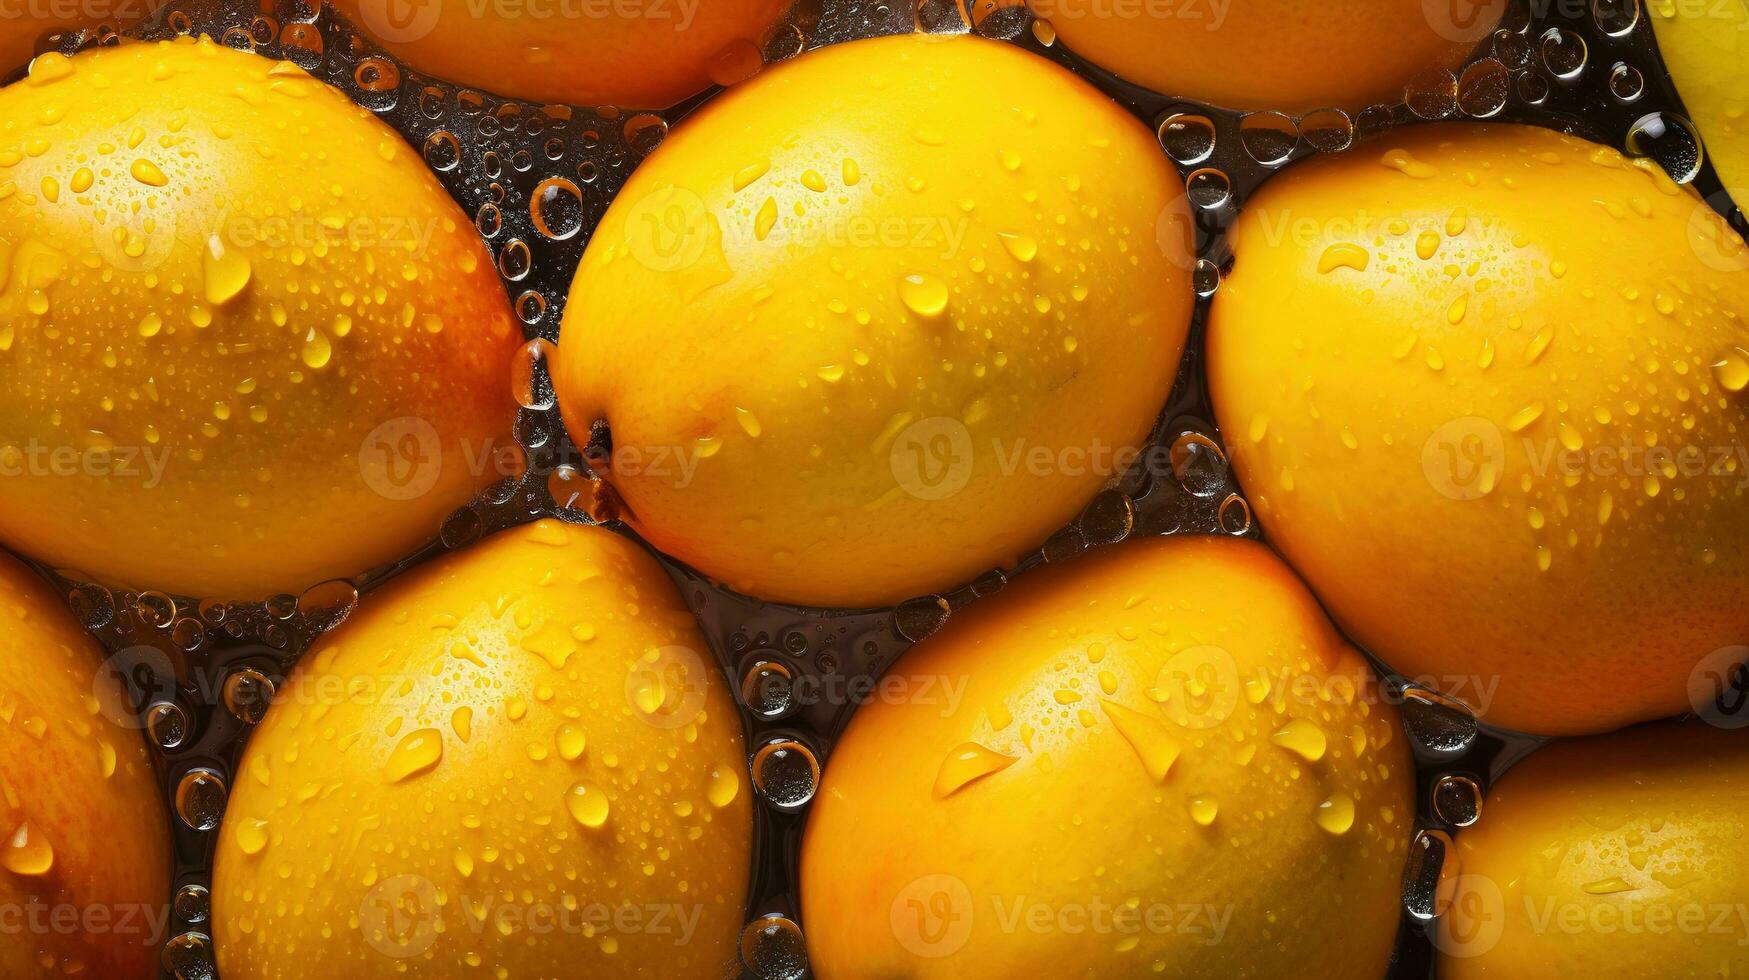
167 724
1187 138
1429 874
200 799
773 948
786 773
248 694
917 618
1457 800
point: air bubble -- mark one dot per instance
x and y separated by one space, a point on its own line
489 220
155 609
645 131
1208 188
248 694
1457 800
1199 464
786 773
193 904
1615 18
1626 83
918 618
1269 137
1670 140
443 151
531 380
768 689
557 208
515 261
1234 515
189 634
531 306
1205 278
773 948
200 799
189 956
1533 88
1432 94
1188 139
1438 723
1429 875
462 527
1108 519
1564 53
1483 88
93 605
1328 130
167 724
326 605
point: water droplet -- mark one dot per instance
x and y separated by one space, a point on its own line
557 208
1188 139
786 773
924 294
1429 875
967 763
200 799
248 694
1336 814
252 835
418 751
1302 738
226 271
773 948
1147 735
1203 809
1457 800
27 852
588 805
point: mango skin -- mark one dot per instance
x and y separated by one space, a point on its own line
838 318
74 779
666 51
328 865
1613 857
306 406
899 881
1706 50
1274 54
1463 436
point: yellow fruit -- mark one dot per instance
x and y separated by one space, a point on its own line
1160 759
1275 54
1706 48
880 320
518 758
636 53
1612 857
85 856
246 342
1501 431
